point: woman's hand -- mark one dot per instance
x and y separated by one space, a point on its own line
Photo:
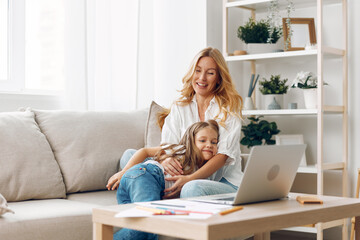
172 166
114 181
174 191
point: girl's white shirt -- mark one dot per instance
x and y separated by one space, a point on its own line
181 117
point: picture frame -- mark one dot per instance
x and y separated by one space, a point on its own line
303 33
292 139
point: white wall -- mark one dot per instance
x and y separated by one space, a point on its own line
146 52
179 33
171 33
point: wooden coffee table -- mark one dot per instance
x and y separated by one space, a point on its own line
258 219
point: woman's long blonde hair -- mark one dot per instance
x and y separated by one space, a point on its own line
226 96
189 156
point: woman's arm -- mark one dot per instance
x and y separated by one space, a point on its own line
172 166
214 164
139 156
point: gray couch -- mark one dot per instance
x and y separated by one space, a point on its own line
54 166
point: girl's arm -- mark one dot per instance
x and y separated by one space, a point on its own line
139 156
212 165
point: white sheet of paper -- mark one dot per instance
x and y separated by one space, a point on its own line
186 205
177 204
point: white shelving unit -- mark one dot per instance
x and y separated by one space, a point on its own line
317 56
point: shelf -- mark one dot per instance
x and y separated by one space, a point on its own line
249 57
252 4
327 110
328 52
262 5
333 109
326 166
333 166
280 112
333 51
308 169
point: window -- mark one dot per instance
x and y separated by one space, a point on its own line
44 45
32 45
3 40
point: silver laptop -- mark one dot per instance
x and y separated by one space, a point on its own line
269 174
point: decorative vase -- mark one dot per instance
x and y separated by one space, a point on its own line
248 104
310 98
272 100
273 105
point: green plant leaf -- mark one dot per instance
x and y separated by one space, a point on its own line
258 131
258 32
273 86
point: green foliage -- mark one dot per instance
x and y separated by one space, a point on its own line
259 32
257 132
273 86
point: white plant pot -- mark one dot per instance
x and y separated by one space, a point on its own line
310 98
269 100
255 48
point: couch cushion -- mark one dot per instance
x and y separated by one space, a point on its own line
103 197
153 131
55 219
28 167
88 144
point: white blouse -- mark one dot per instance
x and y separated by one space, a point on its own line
181 117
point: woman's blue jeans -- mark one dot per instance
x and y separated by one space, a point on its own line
141 183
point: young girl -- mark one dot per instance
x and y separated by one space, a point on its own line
140 182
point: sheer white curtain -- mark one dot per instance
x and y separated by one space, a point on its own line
112 54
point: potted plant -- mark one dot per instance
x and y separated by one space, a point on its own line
273 91
258 132
307 81
259 36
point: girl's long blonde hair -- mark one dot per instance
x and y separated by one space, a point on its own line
186 152
226 96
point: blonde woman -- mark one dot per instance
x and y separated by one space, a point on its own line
208 93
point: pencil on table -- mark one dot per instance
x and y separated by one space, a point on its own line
153 210
234 209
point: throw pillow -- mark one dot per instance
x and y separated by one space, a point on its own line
88 144
3 206
153 131
28 167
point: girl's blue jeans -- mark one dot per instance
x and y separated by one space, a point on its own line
141 183
195 188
